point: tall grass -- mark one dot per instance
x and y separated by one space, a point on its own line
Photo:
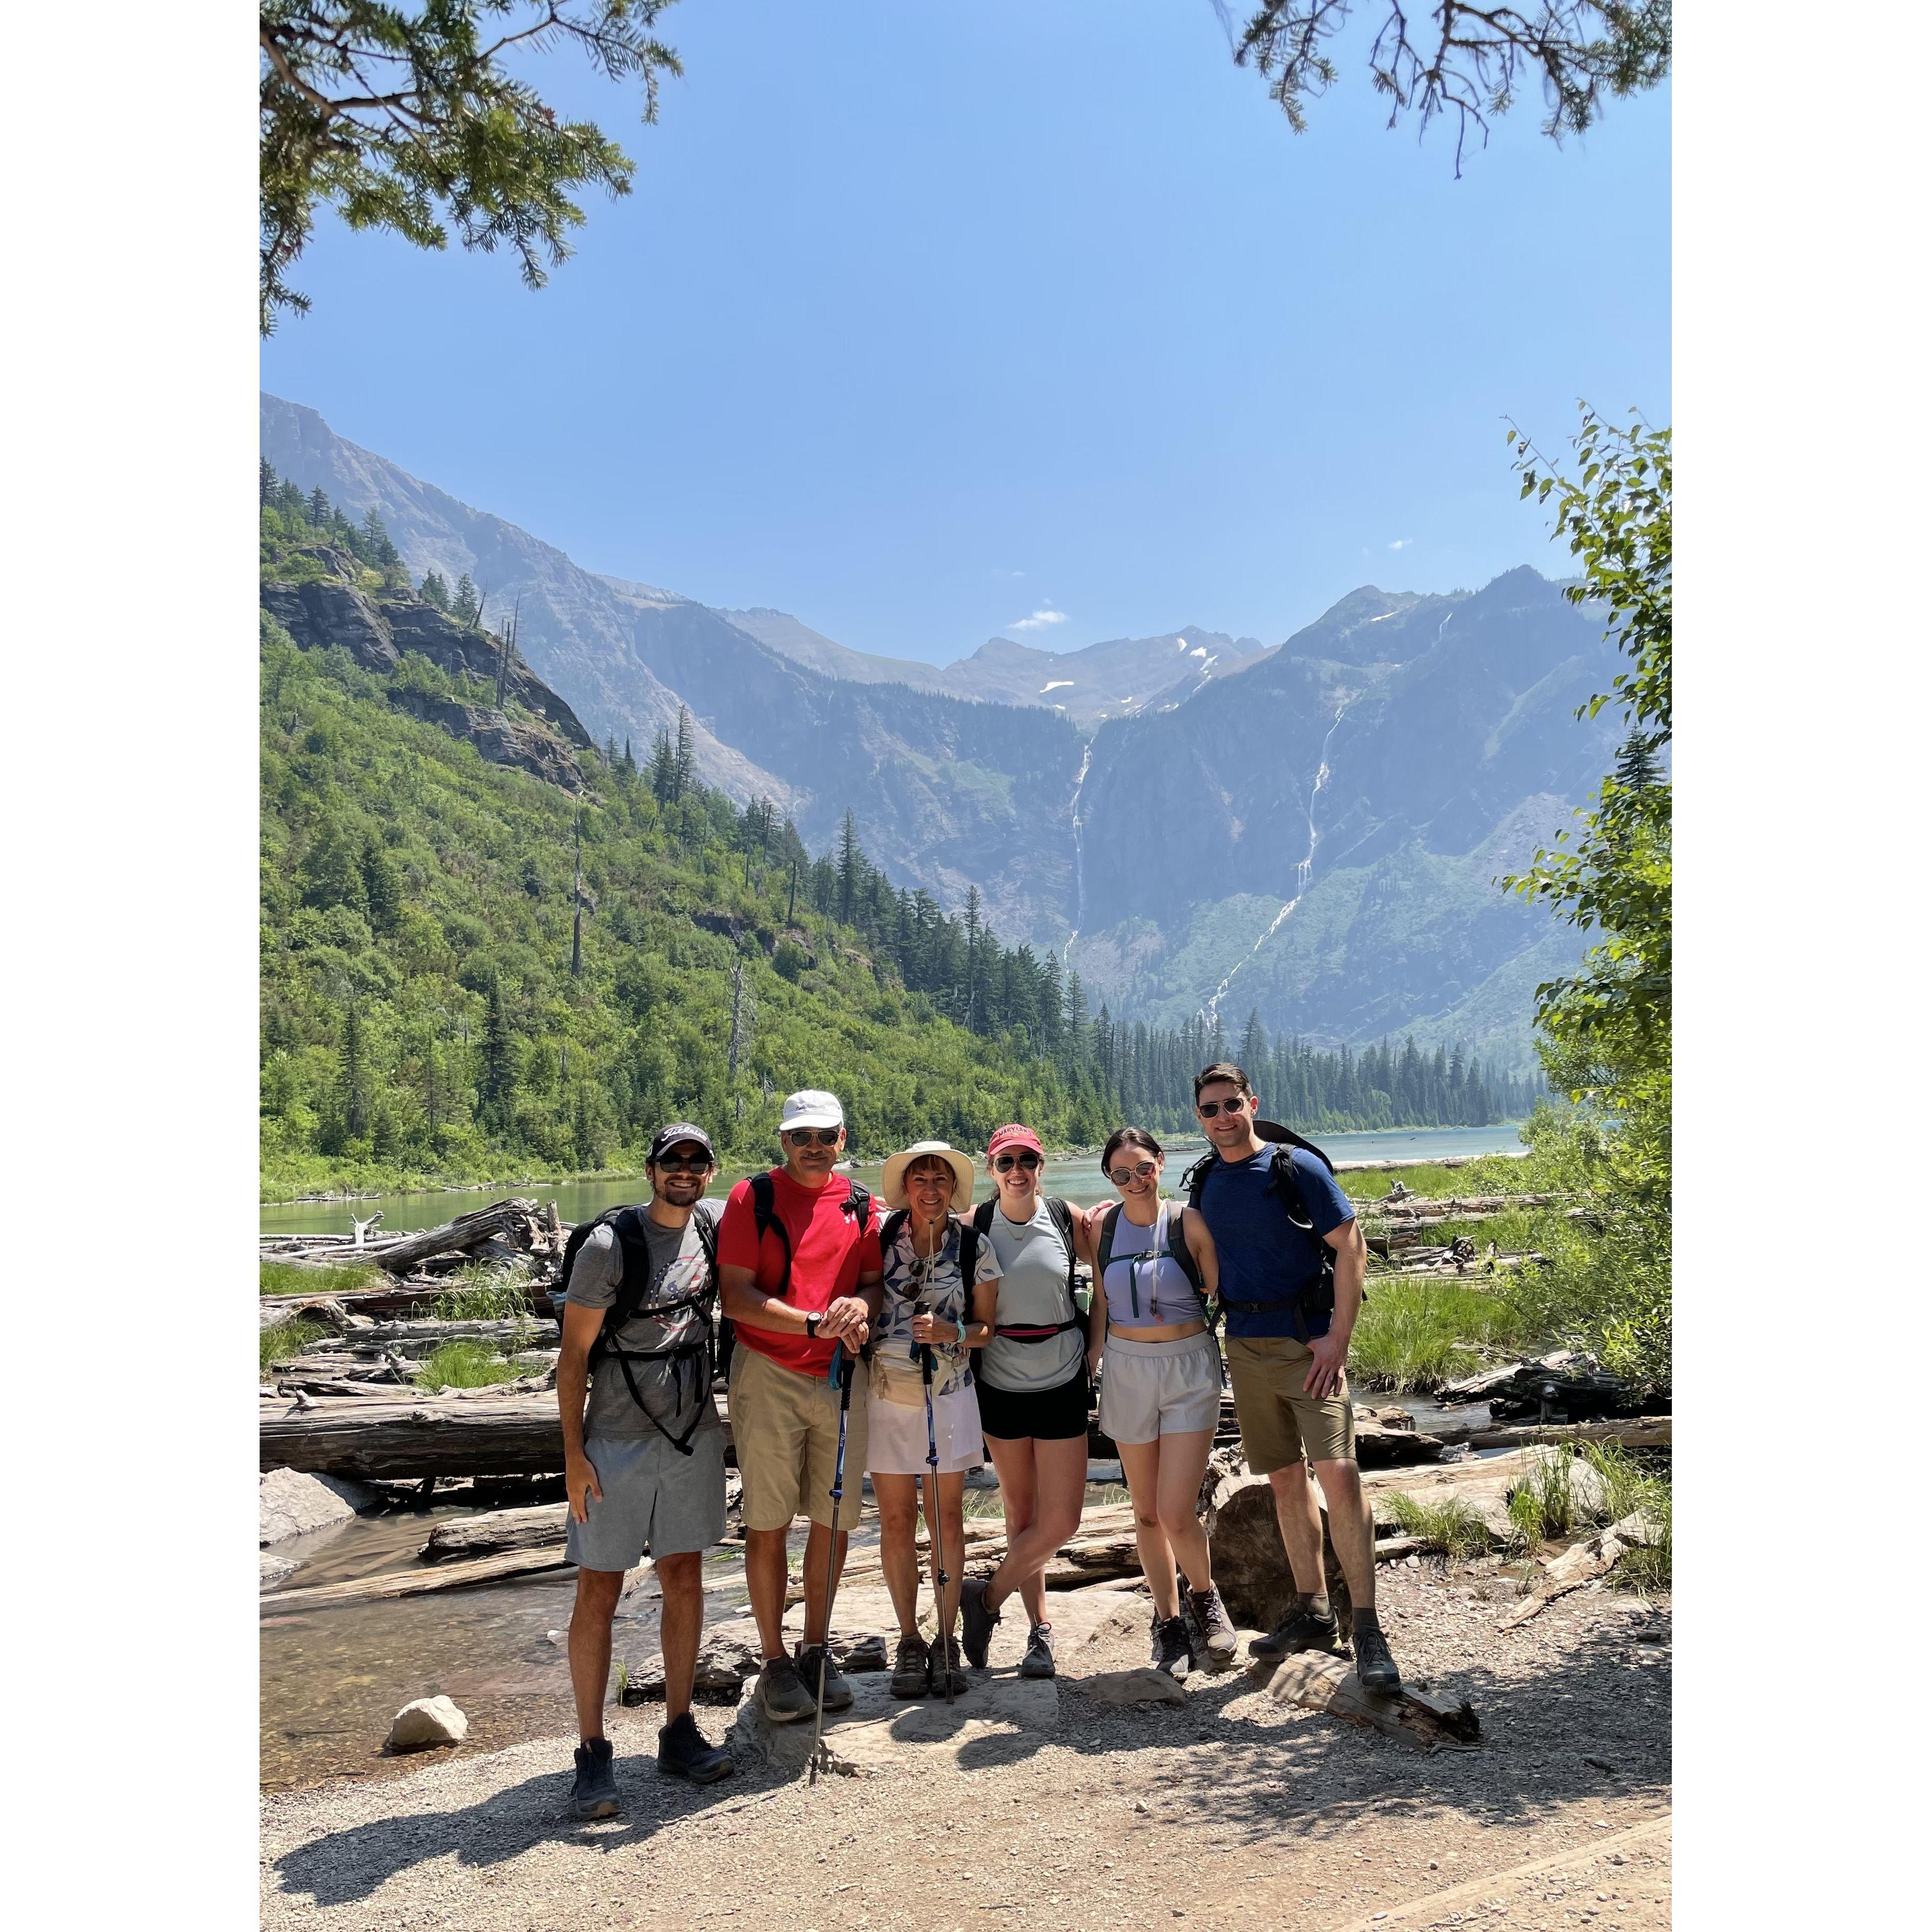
1450 1525
482 1293
1414 1335
465 1365
1631 1489
321 1278
1544 1505
286 1341
1490 1175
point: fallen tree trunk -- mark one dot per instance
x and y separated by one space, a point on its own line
1638 1432
430 1435
1452 1160
417 1583
496 1532
1322 1682
397 1303
501 1219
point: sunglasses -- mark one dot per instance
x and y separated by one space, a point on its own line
1121 1176
683 1163
1208 1109
1007 1162
805 1137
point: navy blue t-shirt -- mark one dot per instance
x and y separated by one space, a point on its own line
1264 1256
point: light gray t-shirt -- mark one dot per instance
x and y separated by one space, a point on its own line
1032 1263
677 1269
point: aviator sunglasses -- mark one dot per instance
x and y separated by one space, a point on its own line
1208 1109
1121 1176
1007 1162
804 1137
683 1163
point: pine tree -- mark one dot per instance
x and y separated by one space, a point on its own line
381 886
267 482
496 1089
848 867
465 606
352 1086
664 768
435 590
684 775
1254 1045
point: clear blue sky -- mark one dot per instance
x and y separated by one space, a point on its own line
920 321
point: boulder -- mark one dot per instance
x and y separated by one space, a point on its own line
1250 1565
294 1503
429 1721
728 1658
276 1569
1644 1532
495 1530
1146 1685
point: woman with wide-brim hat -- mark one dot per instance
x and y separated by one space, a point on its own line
1034 1393
941 1281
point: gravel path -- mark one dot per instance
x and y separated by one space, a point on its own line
1230 1808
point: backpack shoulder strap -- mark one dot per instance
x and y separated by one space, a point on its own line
889 1228
1183 1254
1288 1188
765 1217
707 1240
969 1261
1195 1178
859 1205
1062 1217
1103 1254
982 1217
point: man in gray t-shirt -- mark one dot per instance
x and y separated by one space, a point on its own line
643 1450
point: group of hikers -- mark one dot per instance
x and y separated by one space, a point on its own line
910 1346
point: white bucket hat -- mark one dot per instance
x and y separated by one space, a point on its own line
892 1183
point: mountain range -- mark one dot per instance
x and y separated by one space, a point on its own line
1311 831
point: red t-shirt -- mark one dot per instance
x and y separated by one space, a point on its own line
828 1255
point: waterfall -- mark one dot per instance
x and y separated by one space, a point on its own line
1079 862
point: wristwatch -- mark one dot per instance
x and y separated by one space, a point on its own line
812 1321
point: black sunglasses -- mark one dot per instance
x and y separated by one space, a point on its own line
1007 1162
682 1163
1121 1176
804 1137
1208 1109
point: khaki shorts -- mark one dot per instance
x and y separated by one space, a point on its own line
1280 1424
785 1426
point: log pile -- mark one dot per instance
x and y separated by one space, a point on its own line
505 1231
1566 1386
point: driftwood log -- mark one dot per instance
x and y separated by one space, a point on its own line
417 1582
1322 1682
496 1532
430 1435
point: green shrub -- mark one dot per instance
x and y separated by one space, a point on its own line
465 1365
1630 1489
1543 1503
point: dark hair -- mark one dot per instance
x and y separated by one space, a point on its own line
1222 1069
1135 1137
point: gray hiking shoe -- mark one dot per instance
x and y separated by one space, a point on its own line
682 1752
976 1623
1213 1627
838 1692
1173 1648
594 1794
1299 1629
782 1694
911 1667
1038 1661
946 1647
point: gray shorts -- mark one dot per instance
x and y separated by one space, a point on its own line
1152 1389
654 1500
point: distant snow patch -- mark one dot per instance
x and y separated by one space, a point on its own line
1058 684
1198 651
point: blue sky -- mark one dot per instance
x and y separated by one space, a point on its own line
923 324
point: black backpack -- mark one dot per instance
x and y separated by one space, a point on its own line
765 1217
624 1223
1062 1217
1177 1247
969 1254
1319 1297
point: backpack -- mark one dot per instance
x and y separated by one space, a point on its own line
1062 1217
858 1203
1319 1297
623 1222
1177 1248
969 1254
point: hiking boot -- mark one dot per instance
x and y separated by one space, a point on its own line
948 1649
911 1667
976 1623
682 1752
1374 1666
594 1794
783 1695
1214 1627
838 1692
1173 1648
1038 1661
1299 1629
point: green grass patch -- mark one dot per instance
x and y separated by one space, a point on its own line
465 1365
1493 1173
327 1278
1544 1505
483 1294
1631 1488
1415 1335
1450 1525
286 1341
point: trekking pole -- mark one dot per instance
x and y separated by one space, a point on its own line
842 1376
940 1578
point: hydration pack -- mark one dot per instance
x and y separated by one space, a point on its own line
1061 1215
1178 1250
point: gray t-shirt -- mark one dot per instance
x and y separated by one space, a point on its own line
677 1269
1032 1263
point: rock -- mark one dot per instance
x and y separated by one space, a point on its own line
294 1503
276 1569
728 1658
1146 1685
1578 1564
429 1721
1250 1564
1644 1532
495 1531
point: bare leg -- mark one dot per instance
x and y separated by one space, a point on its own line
680 1621
597 1593
1140 1463
1013 1464
898 1517
765 1583
1300 1520
821 1547
1184 1462
952 1516
1351 1529
1059 1473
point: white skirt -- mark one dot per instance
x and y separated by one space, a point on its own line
895 1434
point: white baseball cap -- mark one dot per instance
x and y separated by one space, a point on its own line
811 1107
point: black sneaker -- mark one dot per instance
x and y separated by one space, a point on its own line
1173 1648
911 1667
782 1694
682 1752
595 1793
1299 1629
1373 1664
948 1648
1038 1661
976 1623
838 1693
1214 1626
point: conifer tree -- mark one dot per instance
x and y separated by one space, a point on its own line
353 1082
684 775
267 480
435 590
464 604
496 1088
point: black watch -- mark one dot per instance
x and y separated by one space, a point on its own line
812 1322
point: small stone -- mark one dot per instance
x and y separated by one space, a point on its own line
1146 1685
1140 1805
428 1722
276 1569
1432 1865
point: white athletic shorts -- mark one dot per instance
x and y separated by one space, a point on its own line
1152 1389
895 1438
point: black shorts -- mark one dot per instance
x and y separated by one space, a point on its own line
1052 1414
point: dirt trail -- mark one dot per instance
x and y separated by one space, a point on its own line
1229 1809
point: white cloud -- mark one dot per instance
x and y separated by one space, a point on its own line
1401 543
1040 619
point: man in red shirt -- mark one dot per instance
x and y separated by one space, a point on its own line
798 1273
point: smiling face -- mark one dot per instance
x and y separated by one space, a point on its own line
928 1187
1135 1172
1229 1124
1017 1171
680 1175
811 1152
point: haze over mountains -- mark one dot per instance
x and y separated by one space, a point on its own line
1311 830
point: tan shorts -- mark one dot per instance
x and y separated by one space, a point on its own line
1280 1424
785 1426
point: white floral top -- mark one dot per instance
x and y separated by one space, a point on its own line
916 1285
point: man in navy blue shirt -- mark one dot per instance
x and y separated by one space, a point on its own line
1288 1351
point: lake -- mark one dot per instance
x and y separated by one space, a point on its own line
1077 1177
